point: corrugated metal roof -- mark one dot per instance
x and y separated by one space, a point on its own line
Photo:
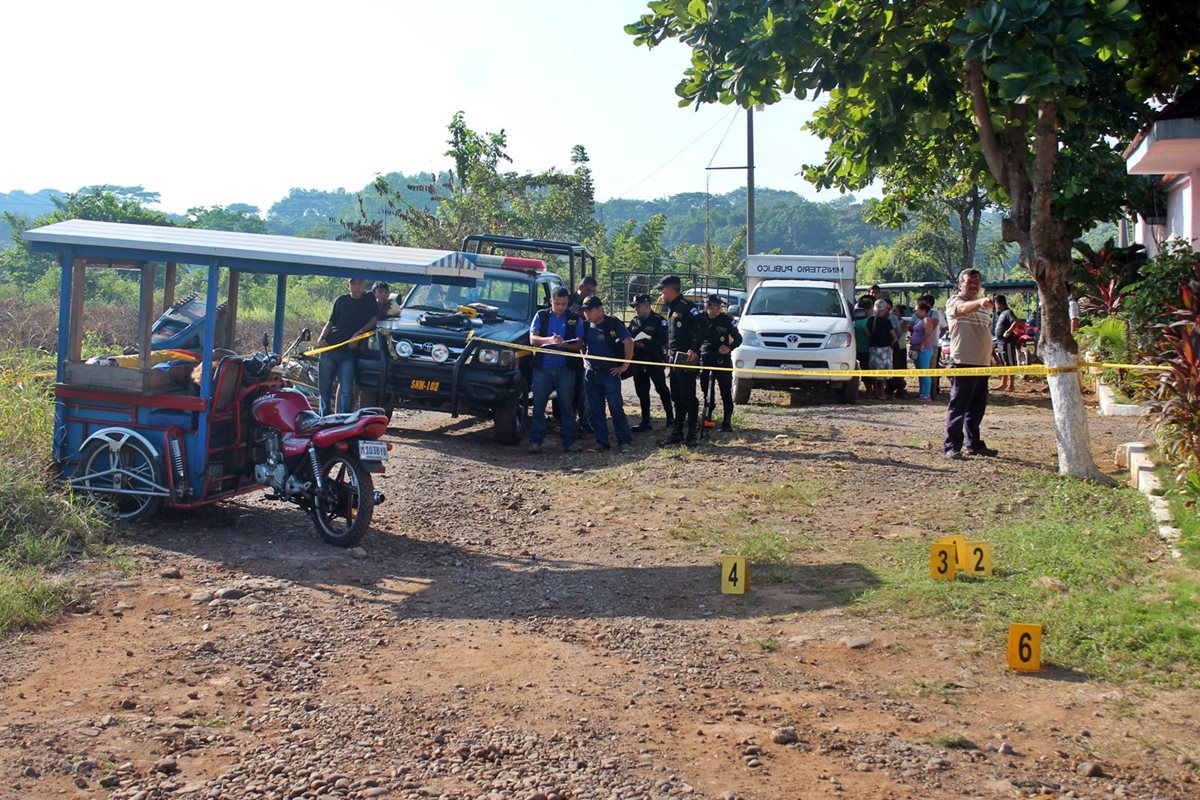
251 250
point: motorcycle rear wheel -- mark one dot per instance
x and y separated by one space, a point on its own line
342 510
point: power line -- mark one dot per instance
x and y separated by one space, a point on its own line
681 152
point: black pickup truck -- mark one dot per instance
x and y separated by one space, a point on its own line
428 356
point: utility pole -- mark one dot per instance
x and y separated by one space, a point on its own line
749 167
750 249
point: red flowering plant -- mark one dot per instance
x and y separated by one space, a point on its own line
1178 428
1106 275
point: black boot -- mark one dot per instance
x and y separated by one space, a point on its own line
642 426
670 419
692 430
675 437
727 424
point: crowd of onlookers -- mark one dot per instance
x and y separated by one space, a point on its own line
890 335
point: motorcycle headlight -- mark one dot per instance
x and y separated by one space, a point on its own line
751 338
440 353
839 340
404 348
489 356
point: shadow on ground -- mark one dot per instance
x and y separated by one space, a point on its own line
411 578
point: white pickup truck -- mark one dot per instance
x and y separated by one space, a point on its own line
797 318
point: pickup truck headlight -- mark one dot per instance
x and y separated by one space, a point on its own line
495 357
751 338
837 340
404 348
440 353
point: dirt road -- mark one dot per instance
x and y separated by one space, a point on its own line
550 626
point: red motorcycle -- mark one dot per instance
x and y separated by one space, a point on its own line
322 464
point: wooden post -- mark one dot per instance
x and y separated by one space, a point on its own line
78 285
145 317
168 286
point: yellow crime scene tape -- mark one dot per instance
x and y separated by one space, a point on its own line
351 340
1040 370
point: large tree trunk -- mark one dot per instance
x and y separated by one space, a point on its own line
1059 351
1051 245
1045 251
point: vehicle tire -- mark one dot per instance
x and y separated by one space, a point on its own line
741 390
847 392
511 420
388 411
119 461
342 510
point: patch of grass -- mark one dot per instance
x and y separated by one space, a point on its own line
769 644
777 495
41 527
950 741
1106 609
29 597
1186 519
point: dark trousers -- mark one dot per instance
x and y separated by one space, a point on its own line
968 402
725 384
683 392
643 377
897 386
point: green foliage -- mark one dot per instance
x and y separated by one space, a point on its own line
1178 348
22 267
478 197
1154 292
40 525
1105 275
221 218
785 222
1107 340
901 93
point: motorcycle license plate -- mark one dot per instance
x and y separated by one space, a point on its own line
372 451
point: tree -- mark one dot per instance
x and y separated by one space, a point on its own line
23 267
243 218
1046 91
479 197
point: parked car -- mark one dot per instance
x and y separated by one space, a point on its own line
430 356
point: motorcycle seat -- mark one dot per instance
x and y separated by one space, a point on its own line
309 421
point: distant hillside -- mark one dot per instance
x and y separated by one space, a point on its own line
24 204
783 220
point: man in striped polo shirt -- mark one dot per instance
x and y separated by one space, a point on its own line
970 346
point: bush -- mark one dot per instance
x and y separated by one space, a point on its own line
1152 299
1178 426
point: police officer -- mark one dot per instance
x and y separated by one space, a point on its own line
718 337
651 347
683 347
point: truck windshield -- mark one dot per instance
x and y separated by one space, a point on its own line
510 296
796 301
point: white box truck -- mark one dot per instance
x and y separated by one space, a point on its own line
797 319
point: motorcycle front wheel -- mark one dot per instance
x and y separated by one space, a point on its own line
342 509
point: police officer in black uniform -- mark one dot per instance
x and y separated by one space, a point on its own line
683 347
718 337
654 349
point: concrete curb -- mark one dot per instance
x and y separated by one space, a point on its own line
1110 408
1136 457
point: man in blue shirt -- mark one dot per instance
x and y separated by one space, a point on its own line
606 337
560 328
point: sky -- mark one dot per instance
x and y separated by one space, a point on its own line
227 101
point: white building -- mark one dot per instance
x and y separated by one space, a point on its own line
1170 147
